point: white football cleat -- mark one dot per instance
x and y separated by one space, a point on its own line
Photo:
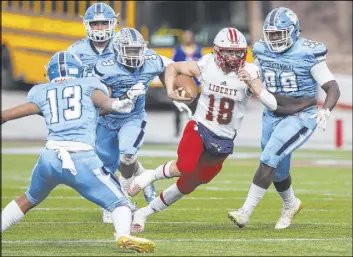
138 222
137 244
140 182
107 216
287 215
239 217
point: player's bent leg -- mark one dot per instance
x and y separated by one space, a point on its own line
141 182
107 147
131 137
165 199
149 191
190 149
45 177
14 212
289 135
261 182
102 188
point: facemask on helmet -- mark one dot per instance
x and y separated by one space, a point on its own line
100 22
281 29
230 50
130 47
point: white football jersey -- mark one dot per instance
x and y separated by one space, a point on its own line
223 100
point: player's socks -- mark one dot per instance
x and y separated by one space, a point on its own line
149 191
288 197
255 195
140 169
166 198
125 183
162 172
122 219
10 215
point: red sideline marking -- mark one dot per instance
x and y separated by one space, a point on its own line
339 134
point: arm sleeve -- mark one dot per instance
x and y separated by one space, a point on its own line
32 96
321 73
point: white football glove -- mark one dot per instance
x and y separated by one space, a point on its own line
123 106
321 118
183 107
136 91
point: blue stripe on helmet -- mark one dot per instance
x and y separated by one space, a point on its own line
272 17
99 8
62 64
133 34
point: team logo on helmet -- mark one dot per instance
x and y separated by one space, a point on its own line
232 35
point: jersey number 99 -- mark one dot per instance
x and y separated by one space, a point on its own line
73 94
285 81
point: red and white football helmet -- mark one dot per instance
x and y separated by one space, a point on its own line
230 49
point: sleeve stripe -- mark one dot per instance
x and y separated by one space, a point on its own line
321 53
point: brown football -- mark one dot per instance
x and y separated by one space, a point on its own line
187 83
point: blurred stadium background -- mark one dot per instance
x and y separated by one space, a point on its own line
65 224
33 30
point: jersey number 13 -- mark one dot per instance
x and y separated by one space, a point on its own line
73 94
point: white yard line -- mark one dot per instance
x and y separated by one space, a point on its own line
186 240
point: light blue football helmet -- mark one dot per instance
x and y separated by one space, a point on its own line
130 47
100 12
64 65
281 29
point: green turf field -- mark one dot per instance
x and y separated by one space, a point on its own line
66 224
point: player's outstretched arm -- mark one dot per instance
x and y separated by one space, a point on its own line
108 105
19 111
174 69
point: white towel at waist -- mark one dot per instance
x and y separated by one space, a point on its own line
63 148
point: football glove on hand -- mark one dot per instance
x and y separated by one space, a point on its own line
123 106
136 91
321 118
183 107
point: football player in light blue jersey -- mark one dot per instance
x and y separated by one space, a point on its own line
70 105
100 22
119 136
292 66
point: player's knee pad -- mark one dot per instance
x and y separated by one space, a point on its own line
187 184
128 159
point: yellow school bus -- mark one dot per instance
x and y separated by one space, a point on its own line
32 31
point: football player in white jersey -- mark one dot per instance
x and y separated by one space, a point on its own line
227 82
